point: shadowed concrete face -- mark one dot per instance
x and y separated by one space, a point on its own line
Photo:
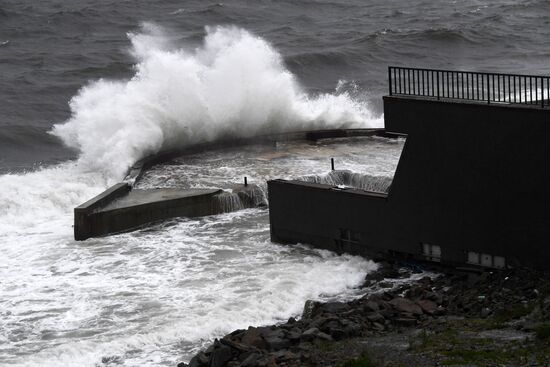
139 207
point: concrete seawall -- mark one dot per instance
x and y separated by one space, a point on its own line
122 208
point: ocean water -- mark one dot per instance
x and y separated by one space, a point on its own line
89 87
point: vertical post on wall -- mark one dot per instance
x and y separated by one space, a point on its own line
389 79
542 92
437 82
245 181
332 163
488 90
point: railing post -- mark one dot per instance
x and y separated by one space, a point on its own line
488 89
541 92
389 79
437 82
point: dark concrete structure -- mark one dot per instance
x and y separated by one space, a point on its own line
472 188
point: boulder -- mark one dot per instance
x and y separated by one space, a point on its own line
406 306
427 306
251 360
335 307
275 343
253 338
371 306
310 308
352 329
200 360
323 336
220 355
309 334
375 317
239 347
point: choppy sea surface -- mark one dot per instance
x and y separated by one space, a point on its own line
89 87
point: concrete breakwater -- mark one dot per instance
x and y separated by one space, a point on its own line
123 207
407 319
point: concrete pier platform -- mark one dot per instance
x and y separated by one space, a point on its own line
135 208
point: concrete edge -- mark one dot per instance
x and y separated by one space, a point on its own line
319 186
165 202
107 196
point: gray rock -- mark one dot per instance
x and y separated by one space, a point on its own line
309 334
294 336
352 329
324 336
406 305
427 306
251 360
200 360
277 343
335 307
277 333
220 355
253 338
371 306
309 309
388 314
239 347
318 322
283 355
375 317
267 361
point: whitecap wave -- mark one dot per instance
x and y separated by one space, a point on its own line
234 84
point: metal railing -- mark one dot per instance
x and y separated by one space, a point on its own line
471 86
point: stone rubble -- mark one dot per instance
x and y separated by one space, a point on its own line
428 301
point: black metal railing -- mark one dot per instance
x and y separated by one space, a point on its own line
468 85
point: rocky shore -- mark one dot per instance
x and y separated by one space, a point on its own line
451 318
